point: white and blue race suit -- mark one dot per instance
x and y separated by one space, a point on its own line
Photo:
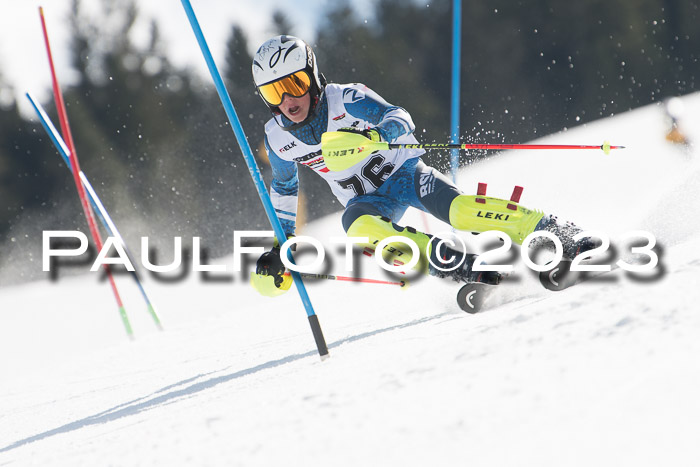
386 183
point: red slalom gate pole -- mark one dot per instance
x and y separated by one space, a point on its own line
89 215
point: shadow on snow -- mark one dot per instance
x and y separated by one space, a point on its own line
169 394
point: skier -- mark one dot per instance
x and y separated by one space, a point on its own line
377 191
674 110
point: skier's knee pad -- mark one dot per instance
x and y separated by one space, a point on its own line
377 228
481 213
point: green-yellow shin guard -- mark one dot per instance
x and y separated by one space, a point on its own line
377 228
471 214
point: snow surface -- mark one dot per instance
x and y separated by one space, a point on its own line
605 373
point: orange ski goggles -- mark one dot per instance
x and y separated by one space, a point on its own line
296 85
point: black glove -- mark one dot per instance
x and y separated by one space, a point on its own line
370 133
270 264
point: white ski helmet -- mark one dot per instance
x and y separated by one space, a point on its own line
286 65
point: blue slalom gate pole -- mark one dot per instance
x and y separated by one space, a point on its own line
97 205
456 63
254 172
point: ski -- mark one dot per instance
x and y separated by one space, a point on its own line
562 277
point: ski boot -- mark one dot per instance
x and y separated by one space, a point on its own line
459 272
564 231
478 285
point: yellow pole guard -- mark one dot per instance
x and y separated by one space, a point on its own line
265 284
342 150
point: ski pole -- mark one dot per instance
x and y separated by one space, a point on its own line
342 149
87 209
100 210
351 279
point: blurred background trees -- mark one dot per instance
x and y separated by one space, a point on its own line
157 146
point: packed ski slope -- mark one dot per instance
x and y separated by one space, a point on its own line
605 373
